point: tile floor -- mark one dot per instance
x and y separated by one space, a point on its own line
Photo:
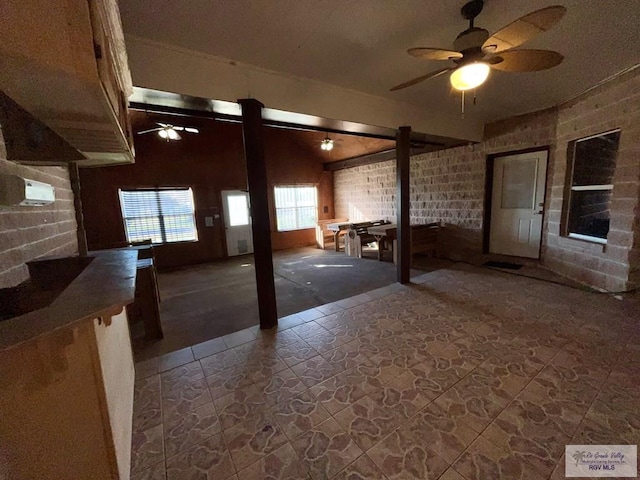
466 374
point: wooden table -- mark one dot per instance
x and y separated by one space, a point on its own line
337 228
383 234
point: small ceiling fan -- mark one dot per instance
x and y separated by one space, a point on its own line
328 143
476 52
170 132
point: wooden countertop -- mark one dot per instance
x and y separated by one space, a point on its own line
383 230
103 288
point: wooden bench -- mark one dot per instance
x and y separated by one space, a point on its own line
424 239
357 236
325 236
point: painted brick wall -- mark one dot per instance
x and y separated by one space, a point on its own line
27 233
448 186
366 193
614 266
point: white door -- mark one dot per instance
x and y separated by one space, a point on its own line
237 222
517 204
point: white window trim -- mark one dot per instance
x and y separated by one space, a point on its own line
275 206
584 188
588 238
163 233
596 135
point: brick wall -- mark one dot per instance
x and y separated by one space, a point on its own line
30 232
366 193
446 186
449 185
614 266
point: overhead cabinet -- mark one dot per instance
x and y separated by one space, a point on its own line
65 63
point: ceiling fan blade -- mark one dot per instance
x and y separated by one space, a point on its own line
434 53
165 125
150 130
191 130
493 60
523 29
178 129
421 79
527 60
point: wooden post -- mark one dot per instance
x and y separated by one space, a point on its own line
74 176
403 146
252 131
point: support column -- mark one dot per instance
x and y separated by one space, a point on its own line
252 131
403 149
74 176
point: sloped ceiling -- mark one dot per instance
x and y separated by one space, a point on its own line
361 44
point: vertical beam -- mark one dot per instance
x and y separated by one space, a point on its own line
74 176
252 131
403 151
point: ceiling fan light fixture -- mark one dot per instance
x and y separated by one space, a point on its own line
326 144
173 135
469 76
163 133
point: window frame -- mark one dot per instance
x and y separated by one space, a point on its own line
276 208
569 189
163 232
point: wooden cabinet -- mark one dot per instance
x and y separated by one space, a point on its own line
67 373
64 62
146 307
66 403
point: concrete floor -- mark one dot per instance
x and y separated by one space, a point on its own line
211 300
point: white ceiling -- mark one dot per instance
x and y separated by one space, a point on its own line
361 44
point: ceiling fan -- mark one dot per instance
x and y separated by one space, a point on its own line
476 52
328 143
170 132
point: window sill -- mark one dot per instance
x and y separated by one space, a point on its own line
295 229
181 242
587 238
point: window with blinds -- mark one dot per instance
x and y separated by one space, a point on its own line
164 215
296 207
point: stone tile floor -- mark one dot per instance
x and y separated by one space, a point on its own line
466 374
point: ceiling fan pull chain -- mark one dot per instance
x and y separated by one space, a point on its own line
475 90
462 97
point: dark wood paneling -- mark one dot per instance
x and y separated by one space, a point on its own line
208 162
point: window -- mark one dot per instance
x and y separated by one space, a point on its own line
296 208
591 163
163 215
238 206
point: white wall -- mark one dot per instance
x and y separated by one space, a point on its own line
174 69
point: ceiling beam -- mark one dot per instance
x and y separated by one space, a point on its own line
170 68
371 158
156 101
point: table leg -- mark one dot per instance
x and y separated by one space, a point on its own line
380 241
336 240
